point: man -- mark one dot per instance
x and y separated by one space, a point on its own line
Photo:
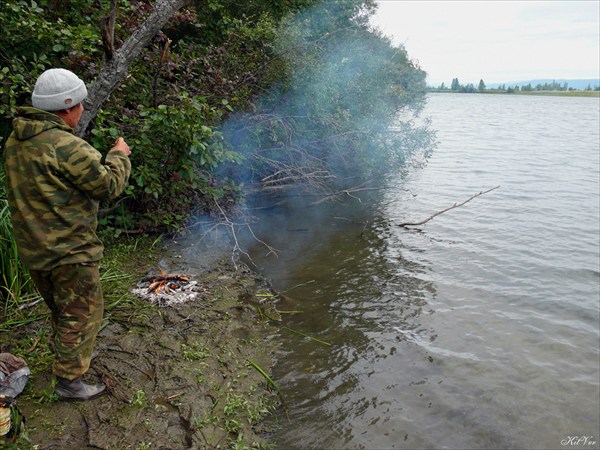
55 181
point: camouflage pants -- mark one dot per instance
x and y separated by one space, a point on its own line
74 296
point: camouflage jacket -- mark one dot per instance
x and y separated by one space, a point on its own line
55 181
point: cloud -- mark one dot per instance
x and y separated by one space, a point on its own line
495 40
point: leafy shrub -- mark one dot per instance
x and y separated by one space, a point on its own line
174 156
333 117
315 90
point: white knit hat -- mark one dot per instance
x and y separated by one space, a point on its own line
57 89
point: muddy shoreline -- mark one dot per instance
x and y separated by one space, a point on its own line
181 376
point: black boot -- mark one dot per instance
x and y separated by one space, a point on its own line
77 389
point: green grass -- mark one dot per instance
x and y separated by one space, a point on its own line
20 303
16 288
561 93
547 93
269 381
25 328
125 262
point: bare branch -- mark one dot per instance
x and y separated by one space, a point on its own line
412 224
350 191
164 58
108 31
116 69
233 229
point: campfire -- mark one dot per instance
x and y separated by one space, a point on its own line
168 289
166 283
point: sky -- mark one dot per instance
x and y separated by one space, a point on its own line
497 41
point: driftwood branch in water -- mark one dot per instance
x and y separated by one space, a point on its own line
456 205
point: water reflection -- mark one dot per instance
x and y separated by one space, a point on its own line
367 301
480 332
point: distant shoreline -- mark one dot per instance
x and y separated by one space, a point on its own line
547 93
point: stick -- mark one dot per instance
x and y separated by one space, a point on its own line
166 277
28 305
108 31
171 397
34 345
164 57
412 224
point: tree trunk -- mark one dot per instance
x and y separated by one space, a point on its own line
115 70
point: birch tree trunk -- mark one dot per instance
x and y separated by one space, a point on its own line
115 69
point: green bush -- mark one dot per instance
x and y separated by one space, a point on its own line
333 117
314 89
174 156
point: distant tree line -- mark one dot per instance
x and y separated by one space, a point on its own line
456 86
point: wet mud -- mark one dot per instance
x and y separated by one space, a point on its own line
181 377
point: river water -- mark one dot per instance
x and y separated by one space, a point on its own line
479 329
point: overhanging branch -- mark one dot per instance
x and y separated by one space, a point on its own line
114 71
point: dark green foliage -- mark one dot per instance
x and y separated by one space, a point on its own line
168 107
217 19
468 88
288 93
173 161
318 87
28 45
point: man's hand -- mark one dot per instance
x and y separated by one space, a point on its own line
121 145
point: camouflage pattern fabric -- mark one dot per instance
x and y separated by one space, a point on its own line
55 181
74 296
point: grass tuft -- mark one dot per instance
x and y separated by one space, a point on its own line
270 382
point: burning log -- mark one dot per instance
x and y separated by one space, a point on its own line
166 276
165 282
167 289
